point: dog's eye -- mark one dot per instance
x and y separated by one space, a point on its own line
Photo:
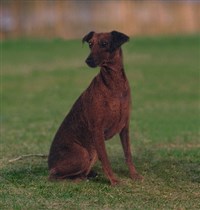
104 44
90 44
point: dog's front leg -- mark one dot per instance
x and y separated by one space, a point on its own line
125 140
103 157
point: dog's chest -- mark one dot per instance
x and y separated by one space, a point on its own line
116 114
118 104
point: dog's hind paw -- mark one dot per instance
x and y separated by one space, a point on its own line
92 175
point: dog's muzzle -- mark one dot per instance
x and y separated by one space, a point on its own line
90 62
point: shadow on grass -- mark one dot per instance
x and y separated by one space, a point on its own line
171 171
25 171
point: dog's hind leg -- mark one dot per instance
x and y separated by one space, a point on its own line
93 159
74 162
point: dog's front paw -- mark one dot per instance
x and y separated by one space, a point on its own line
114 182
137 177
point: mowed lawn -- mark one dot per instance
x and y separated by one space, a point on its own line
41 79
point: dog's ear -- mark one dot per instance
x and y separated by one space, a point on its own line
88 36
118 39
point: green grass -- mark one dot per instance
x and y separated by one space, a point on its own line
40 80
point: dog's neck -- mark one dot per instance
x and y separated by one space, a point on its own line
112 72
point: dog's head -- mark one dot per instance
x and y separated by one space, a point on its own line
103 46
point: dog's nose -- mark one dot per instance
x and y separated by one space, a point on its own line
90 62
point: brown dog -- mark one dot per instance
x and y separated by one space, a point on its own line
102 111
